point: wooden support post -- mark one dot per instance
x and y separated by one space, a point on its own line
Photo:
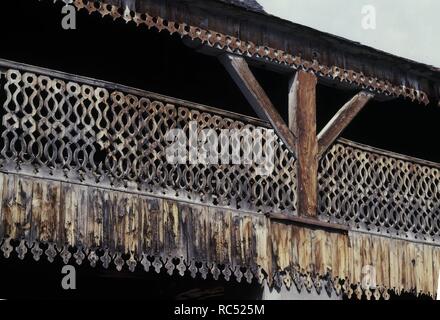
302 121
257 97
341 120
300 136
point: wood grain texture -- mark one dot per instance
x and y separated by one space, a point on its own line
302 119
341 120
242 75
45 211
3 180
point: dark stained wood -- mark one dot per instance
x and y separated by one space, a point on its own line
8 204
311 223
51 200
3 188
37 201
302 114
257 97
271 40
341 120
150 222
210 236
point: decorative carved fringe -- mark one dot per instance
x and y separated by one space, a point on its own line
230 43
292 279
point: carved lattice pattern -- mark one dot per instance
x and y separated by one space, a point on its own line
100 135
378 193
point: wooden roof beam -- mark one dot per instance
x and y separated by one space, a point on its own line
341 120
242 75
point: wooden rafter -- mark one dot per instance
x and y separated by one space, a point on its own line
242 75
341 120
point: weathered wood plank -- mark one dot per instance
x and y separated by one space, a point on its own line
37 207
66 223
436 270
294 243
74 205
187 239
407 266
201 230
375 258
8 207
23 189
131 226
45 210
340 256
356 257
3 181
341 120
81 209
368 268
150 219
302 111
249 240
281 246
171 227
236 240
318 251
412 281
305 250
382 261
222 230
242 75
419 267
134 224
122 206
429 274
52 205
395 267
99 209
123 215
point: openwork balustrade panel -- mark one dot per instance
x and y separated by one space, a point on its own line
378 193
72 130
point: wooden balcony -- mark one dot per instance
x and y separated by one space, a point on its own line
84 176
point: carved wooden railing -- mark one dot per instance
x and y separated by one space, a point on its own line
82 130
381 192
84 176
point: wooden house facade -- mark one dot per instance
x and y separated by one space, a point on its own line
84 175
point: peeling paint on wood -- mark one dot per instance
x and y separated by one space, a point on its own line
221 241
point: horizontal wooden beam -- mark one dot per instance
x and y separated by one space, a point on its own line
309 222
242 75
341 120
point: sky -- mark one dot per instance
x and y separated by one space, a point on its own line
406 28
